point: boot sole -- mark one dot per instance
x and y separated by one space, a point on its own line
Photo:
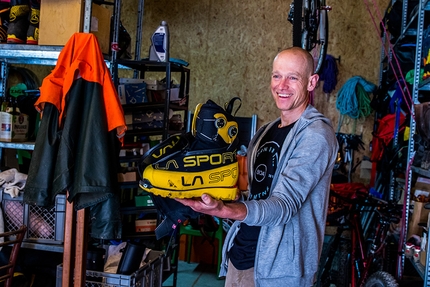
222 193
14 40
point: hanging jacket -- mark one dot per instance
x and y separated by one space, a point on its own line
78 140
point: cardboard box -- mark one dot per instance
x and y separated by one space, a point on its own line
145 225
132 91
423 257
419 215
60 19
13 128
154 85
127 177
148 116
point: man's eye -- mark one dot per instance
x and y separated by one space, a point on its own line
292 78
275 76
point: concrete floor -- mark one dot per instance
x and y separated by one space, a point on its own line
204 275
195 275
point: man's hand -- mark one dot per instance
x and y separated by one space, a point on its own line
206 204
209 205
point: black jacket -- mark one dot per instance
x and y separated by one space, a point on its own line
77 146
79 158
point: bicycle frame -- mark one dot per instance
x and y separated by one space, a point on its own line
362 255
362 258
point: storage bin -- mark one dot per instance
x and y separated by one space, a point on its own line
44 225
150 275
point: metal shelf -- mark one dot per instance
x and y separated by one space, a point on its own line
30 54
17 145
44 247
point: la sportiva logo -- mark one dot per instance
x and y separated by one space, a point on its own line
213 159
166 149
213 177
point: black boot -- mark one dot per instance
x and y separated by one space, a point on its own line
18 25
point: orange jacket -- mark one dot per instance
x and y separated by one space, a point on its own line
82 57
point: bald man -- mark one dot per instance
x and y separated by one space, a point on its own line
278 233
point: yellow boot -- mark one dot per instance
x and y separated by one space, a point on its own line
33 28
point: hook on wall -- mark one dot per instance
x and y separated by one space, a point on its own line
338 59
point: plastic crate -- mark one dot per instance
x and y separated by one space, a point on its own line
149 275
44 225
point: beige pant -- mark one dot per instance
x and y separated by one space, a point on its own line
239 278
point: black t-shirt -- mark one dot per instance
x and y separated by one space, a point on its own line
242 253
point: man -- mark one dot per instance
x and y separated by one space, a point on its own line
278 234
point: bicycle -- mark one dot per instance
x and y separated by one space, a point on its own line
310 28
365 257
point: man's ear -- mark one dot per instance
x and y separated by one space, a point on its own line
313 80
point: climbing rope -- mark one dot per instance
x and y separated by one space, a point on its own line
353 98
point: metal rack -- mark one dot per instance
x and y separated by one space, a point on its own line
48 55
418 86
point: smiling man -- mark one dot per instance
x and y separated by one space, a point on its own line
278 234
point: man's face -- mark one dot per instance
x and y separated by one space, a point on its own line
291 82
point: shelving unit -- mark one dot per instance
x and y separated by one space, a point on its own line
418 87
48 55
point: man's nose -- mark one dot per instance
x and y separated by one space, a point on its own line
284 83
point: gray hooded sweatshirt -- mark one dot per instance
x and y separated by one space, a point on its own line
293 217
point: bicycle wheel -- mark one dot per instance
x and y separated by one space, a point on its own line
310 29
381 279
342 277
298 21
319 47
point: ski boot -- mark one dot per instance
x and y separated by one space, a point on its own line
201 161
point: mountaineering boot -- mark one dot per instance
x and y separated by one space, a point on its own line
203 161
18 25
33 28
4 21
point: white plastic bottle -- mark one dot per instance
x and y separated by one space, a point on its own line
159 50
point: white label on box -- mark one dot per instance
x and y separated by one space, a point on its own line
128 119
94 24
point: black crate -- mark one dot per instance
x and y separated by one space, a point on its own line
150 275
44 225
